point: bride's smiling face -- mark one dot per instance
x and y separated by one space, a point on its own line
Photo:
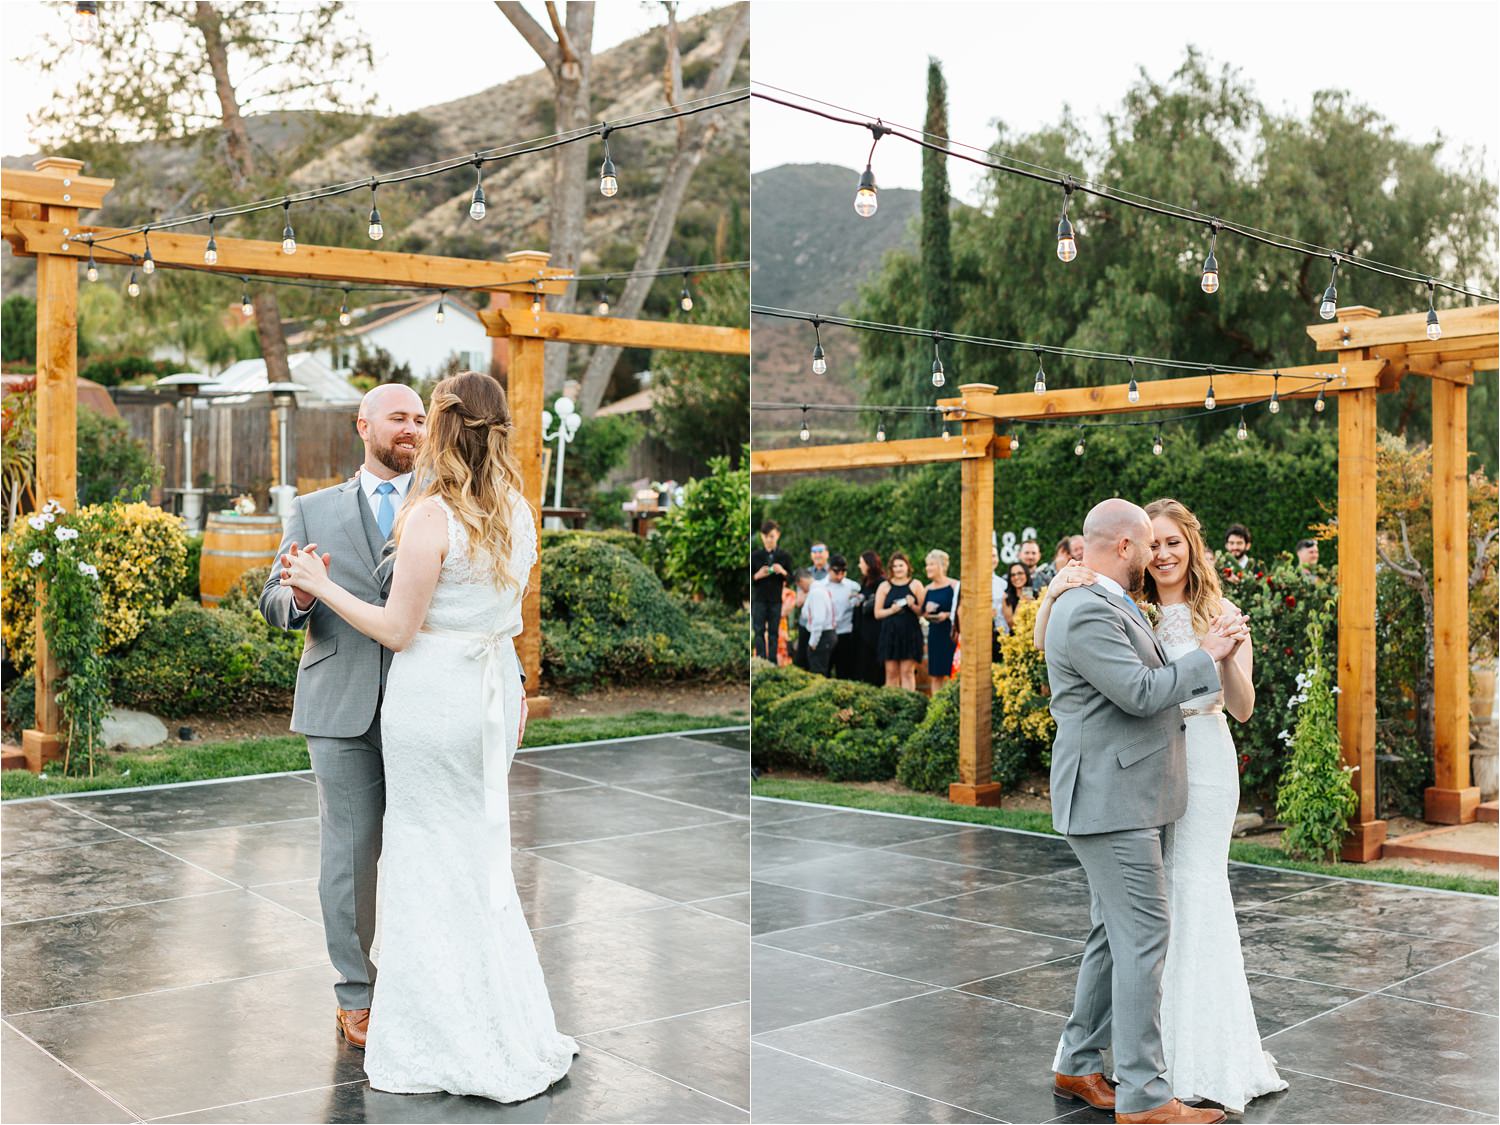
1170 554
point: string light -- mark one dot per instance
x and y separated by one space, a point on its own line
211 250
685 298
442 312
377 228
1015 442
1434 329
938 378
1274 406
1243 431
1157 445
92 272
477 204
819 360
602 308
1078 445
1133 393
609 183
1210 280
880 428
85 24
133 287
1040 387
1330 305
946 434
536 300
1209 402
148 263
246 308
866 200
805 433
1067 245
288 237
1319 404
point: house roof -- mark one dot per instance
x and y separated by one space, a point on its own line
249 375
639 403
370 317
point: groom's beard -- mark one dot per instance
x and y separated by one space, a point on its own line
397 459
1137 578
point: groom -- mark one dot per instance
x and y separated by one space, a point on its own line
1119 775
341 680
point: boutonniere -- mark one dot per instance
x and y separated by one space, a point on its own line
1152 612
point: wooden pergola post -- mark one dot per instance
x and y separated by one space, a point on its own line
1356 607
976 784
1451 799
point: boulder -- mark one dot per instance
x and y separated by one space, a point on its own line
132 730
1247 822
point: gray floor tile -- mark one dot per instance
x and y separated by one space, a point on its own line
218 804
30 825
555 894
39 1089
1043 906
111 873
573 815
1406 910
788 988
1469 983
682 865
885 877
703 1050
249 855
792 1089
774 907
865 830
631 763
1324 951
996 848
768 850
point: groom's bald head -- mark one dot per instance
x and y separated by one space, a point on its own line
1117 541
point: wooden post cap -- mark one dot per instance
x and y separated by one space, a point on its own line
541 257
60 165
1356 312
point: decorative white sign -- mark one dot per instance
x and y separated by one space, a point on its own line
1010 544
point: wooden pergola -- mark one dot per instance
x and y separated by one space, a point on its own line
39 218
1372 354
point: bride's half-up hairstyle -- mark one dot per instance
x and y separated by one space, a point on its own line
466 460
1203 594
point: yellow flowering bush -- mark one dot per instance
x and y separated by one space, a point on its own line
142 560
1021 684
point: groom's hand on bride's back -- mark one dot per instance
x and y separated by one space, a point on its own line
302 600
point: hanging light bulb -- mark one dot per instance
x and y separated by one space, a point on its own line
1067 245
92 272
1134 391
288 237
246 308
1209 402
1274 406
1320 403
1015 442
1243 431
477 204
1434 329
442 310
819 359
1078 446
602 308
376 228
536 300
805 434
866 200
938 379
946 434
1040 387
685 298
344 315
880 429
211 248
1329 307
1156 446
148 263
1210 280
84 27
133 287
609 184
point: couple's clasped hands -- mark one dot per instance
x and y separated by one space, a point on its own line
306 573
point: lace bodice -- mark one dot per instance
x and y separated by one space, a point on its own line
466 598
1175 632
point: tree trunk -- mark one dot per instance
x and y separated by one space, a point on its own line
693 137
242 174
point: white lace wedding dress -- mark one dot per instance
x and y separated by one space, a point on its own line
1212 1045
460 1004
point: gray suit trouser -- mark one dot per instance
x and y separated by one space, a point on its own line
1118 1001
351 804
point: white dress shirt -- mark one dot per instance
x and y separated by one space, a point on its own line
843 607
817 615
369 482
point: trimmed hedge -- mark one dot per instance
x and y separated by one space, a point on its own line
930 760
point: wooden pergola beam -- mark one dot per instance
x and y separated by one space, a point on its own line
82 193
974 444
30 237
1365 331
575 328
1170 394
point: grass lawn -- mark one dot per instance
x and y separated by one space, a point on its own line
200 761
921 804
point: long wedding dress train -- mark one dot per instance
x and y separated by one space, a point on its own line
1209 1033
460 1004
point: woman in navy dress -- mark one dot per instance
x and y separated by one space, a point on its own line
897 603
937 607
866 625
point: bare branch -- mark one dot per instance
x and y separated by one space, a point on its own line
1481 549
565 45
532 32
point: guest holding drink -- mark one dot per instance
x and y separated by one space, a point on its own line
898 601
937 607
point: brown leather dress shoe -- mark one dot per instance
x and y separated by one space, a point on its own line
1093 1089
1173 1113
354 1025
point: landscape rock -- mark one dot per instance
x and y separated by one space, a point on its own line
1247 822
132 730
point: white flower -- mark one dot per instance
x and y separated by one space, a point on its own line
1285 736
88 570
48 516
53 506
35 559
1336 689
66 533
37 521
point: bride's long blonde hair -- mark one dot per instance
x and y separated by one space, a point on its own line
466 460
1203 594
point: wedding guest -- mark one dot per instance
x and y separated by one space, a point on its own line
769 568
1075 547
819 556
1236 555
844 591
1307 560
1031 559
937 607
997 599
1017 589
817 621
897 603
1060 558
869 667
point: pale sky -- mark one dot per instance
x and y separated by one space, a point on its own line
425 52
1427 67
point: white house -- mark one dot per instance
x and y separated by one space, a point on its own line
249 375
409 330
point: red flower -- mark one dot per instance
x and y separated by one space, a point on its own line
1260 574
1290 600
1287 651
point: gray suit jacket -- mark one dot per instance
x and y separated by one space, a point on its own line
342 674
1119 760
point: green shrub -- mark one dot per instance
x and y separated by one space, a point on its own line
607 618
702 540
633 543
188 588
18 328
193 660
930 760
1316 798
20 702
116 370
845 729
112 465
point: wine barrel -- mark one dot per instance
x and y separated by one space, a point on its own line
233 544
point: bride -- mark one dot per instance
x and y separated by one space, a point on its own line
461 1004
1211 1041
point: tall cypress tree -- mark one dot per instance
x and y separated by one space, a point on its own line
938 306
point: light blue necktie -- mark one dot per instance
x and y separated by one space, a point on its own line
1139 612
385 515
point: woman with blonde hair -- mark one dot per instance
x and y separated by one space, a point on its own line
938 608
461 1005
1209 1033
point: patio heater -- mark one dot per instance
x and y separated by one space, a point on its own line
284 399
189 385
568 420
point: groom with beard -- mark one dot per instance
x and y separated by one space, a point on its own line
1119 776
341 680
